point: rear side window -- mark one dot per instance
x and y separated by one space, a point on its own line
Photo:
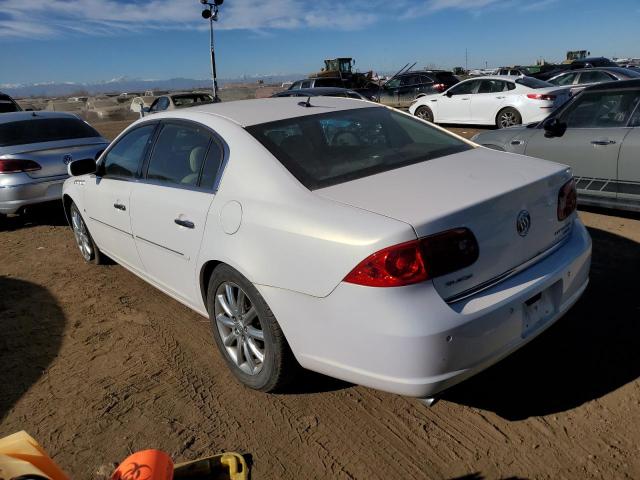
492 86
331 148
124 159
191 99
594 77
212 165
328 82
39 130
178 154
446 77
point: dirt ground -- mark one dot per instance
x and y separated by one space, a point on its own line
96 364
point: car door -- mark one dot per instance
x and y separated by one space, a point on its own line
107 195
487 101
596 127
169 206
454 106
629 163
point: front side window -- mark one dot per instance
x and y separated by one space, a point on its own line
38 130
567 79
465 88
160 104
601 109
124 159
331 148
393 83
8 105
178 154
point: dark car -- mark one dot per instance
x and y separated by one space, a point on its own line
320 92
403 89
578 80
575 65
8 104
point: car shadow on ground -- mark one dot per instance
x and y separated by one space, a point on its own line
50 213
32 326
590 352
308 382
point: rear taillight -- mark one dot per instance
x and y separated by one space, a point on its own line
418 260
541 96
441 87
567 200
15 166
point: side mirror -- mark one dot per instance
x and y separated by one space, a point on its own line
554 128
81 167
144 110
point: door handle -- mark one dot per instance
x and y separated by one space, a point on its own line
185 223
603 142
499 98
464 99
119 206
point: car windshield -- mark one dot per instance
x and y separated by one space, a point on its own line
533 82
331 148
44 130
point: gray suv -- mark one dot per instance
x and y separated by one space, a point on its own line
597 133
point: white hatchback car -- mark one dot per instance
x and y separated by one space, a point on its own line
348 237
503 101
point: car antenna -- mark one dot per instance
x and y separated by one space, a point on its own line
306 104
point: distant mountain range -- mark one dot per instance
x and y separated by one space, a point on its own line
126 84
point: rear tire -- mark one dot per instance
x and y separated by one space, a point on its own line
508 117
247 333
424 113
88 248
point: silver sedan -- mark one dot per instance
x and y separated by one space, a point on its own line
35 149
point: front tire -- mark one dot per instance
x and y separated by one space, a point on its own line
247 333
424 113
508 117
88 248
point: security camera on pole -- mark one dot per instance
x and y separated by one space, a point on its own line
210 13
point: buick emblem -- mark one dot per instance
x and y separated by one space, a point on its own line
523 223
67 159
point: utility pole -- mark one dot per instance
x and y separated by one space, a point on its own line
210 13
466 60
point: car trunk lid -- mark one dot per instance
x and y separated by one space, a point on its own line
54 157
481 189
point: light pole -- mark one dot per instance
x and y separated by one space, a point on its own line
210 13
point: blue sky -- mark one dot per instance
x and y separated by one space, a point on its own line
93 40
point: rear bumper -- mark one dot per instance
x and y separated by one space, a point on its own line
409 341
22 190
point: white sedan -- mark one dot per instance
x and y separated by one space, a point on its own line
341 235
503 101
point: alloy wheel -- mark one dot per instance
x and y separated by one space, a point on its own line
508 119
239 327
82 235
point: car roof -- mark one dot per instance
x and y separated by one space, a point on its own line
512 78
254 112
615 85
20 116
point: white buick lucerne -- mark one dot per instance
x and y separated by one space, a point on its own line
348 237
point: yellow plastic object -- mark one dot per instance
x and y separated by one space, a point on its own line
226 466
21 452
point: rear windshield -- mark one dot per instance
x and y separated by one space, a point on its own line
44 130
533 82
331 148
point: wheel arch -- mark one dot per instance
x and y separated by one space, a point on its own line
503 108
207 269
66 205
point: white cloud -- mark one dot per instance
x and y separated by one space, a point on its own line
34 18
